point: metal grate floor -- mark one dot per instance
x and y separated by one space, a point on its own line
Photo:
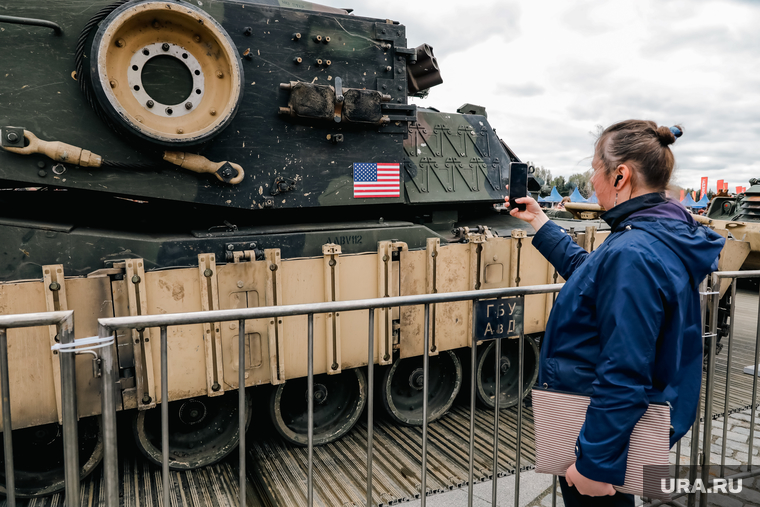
340 470
743 352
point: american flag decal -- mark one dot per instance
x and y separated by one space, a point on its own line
376 180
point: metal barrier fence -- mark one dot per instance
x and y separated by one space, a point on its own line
65 322
710 299
109 326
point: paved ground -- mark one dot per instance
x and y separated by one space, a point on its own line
532 486
536 489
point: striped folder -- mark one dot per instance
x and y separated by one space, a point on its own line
558 420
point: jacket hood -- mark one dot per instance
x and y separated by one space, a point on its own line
697 246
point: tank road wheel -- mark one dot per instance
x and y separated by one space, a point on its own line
338 402
202 431
401 389
38 457
486 380
169 75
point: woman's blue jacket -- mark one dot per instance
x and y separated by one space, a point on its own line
625 328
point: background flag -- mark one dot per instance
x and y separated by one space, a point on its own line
703 187
720 185
376 180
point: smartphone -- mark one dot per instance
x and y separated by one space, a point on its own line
518 184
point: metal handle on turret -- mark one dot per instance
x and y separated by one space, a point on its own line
33 22
56 150
338 89
224 171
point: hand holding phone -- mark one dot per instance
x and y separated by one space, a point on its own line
518 184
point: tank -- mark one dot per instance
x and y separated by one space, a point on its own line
164 157
739 215
738 219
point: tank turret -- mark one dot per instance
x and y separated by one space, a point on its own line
741 207
235 113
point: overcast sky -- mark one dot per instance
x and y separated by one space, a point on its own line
550 71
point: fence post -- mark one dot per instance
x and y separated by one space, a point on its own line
709 380
473 375
425 384
728 377
520 367
694 460
69 413
241 411
497 395
108 410
10 472
370 401
166 479
310 403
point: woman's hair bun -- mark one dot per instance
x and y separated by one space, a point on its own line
668 135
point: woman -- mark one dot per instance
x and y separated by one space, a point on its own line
561 205
625 329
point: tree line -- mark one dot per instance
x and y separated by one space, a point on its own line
565 186
582 181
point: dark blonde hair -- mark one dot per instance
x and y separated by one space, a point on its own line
645 145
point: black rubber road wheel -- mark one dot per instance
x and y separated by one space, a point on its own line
38 457
401 389
202 431
486 380
338 402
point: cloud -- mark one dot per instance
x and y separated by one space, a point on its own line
449 28
521 90
579 73
459 30
548 142
583 18
709 39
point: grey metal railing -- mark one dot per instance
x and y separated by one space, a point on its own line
109 325
65 322
710 298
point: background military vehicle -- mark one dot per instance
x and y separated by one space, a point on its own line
174 156
740 215
738 218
